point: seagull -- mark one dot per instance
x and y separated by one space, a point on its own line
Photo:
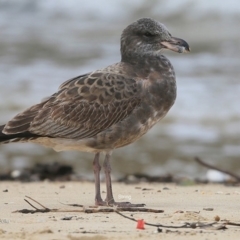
108 108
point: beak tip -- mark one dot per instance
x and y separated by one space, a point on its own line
177 45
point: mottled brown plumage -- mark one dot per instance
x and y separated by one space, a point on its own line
108 108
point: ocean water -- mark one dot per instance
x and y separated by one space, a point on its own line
44 43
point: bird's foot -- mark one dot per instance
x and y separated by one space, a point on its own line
112 203
127 204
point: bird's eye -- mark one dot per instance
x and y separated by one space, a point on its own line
148 34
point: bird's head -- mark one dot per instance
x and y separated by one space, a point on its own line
147 36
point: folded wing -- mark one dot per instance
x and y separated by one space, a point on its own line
83 107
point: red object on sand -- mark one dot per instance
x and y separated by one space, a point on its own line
140 224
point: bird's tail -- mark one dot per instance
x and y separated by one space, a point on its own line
18 137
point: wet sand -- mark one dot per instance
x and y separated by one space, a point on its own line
180 204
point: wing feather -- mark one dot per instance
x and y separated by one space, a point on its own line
83 107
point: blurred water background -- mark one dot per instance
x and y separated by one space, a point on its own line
43 43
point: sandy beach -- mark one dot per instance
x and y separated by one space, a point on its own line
198 203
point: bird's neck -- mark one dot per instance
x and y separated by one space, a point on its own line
147 63
133 57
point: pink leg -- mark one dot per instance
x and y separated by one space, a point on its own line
109 198
97 169
107 169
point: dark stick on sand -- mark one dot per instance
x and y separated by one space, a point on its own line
201 162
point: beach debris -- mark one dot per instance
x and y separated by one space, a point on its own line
190 225
223 179
91 209
67 218
140 224
216 225
208 209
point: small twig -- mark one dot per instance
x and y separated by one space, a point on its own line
205 225
154 225
187 224
31 205
35 202
233 224
72 205
220 227
136 209
198 160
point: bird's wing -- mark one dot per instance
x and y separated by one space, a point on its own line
83 107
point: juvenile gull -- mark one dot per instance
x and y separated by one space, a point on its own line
108 108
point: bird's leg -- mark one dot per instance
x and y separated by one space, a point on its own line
97 169
109 198
107 170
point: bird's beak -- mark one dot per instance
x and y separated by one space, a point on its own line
176 45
